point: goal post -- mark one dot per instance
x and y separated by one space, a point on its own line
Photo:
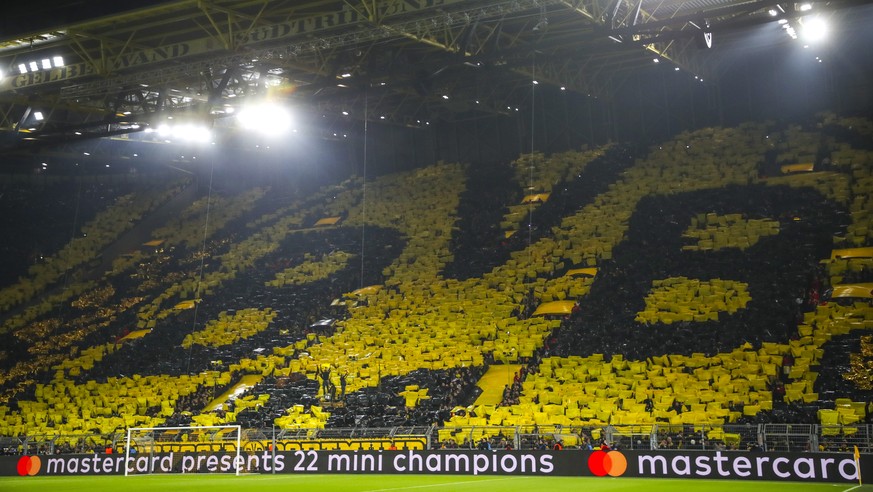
184 449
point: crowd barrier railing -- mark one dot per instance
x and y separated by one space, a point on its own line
767 437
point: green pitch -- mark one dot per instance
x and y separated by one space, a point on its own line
398 483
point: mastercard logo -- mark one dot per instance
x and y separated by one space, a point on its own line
29 465
612 463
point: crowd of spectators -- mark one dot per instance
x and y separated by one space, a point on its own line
603 321
297 308
380 406
772 268
38 218
479 244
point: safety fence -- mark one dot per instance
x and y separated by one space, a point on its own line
704 437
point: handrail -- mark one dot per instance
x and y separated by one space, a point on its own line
775 437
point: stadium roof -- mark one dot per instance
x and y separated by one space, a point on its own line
90 69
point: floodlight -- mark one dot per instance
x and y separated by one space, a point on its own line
814 29
805 7
58 61
38 115
268 118
22 68
46 64
192 132
33 66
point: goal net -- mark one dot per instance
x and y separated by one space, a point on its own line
196 449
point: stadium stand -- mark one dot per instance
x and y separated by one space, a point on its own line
695 284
